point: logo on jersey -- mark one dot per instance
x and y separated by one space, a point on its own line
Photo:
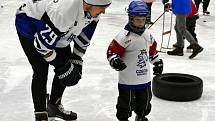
141 63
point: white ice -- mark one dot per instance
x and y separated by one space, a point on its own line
94 98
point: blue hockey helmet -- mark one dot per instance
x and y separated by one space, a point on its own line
137 8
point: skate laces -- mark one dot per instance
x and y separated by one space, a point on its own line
61 108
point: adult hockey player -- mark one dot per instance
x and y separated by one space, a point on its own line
45 29
181 8
131 53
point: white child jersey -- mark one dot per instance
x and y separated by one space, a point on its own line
137 51
67 17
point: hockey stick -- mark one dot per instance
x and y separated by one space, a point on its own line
156 20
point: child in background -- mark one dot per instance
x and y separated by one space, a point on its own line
131 53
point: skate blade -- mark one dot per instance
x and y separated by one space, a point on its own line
58 119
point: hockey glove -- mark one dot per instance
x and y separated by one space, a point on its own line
117 63
77 62
68 73
158 67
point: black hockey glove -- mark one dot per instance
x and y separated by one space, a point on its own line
68 73
117 63
158 67
77 62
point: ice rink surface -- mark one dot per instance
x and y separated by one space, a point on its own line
94 98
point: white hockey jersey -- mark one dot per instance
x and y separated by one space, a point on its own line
137 51
57 23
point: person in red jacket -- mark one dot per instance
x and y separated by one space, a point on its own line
191 23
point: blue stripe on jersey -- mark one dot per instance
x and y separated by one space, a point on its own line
139 86
90 29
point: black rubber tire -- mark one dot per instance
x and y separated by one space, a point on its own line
177 87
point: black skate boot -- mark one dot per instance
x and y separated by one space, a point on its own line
138 118
57 110
196 50
177 51
41 116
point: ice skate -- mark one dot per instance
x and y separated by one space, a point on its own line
56 112
41 116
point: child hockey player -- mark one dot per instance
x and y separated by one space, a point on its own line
130 53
